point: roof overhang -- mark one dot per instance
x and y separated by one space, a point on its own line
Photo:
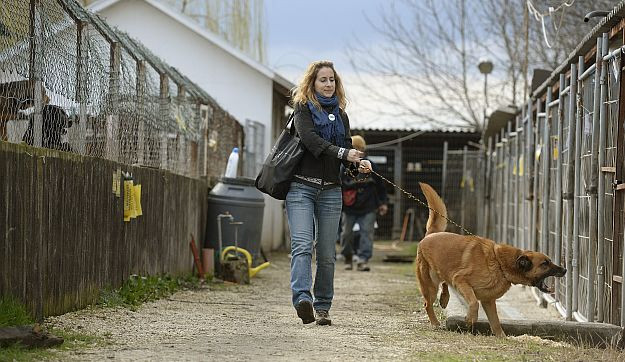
499 119
213 38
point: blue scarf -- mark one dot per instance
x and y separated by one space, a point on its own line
331 131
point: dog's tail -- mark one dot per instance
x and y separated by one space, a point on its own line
437 221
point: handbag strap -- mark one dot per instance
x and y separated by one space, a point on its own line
291 120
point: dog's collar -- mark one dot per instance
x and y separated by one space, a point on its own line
503 271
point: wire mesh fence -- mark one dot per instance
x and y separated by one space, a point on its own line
70 82
551 184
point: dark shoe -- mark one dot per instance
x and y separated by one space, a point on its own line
363 267
323 318
349 266
305 311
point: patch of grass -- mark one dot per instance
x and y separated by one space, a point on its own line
13 313
410 248
139 289
72 341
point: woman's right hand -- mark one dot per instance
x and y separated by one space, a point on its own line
354 155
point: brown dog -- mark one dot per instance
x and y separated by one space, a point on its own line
477 267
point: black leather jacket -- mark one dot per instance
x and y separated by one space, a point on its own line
321 164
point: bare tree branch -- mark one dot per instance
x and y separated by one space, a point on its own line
426 68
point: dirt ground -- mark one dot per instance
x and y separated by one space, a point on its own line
376 315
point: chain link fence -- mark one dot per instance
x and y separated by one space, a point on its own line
70 82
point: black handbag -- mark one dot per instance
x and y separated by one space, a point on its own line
275 177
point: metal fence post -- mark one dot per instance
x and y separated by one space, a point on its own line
463 185
514 175
502 181
527 188
592 189
545 156
558 159
444 178
534 183
399 202
518 200
487 189
578 162
570 191
506 183
496 186
601 181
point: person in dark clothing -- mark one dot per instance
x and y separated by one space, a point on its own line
363 198
313 203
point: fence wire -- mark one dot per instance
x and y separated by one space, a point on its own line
70 82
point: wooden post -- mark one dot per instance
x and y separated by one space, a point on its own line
204 115
112 121
81 88
141 109
181 159
164 114
36 55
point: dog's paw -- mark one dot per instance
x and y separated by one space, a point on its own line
470 320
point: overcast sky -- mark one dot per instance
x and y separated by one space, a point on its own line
300 31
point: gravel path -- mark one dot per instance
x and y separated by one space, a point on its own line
375 316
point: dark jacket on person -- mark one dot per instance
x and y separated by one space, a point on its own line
370 191
320 166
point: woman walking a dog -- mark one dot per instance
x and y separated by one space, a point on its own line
314 200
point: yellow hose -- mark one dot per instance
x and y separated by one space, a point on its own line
248 256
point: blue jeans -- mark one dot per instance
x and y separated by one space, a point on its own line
365 246
313 215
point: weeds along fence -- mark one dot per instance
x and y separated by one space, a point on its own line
553 182
70 82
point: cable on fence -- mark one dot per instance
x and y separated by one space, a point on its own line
541 17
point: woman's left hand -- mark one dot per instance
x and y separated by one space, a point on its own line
364 166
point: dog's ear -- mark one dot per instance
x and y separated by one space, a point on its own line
524 263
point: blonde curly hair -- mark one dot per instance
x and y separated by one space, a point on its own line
358 142
305 90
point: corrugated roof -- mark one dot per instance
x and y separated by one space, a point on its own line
412 130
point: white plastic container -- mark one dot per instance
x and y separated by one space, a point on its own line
233 163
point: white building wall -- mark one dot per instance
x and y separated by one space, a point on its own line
243 91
